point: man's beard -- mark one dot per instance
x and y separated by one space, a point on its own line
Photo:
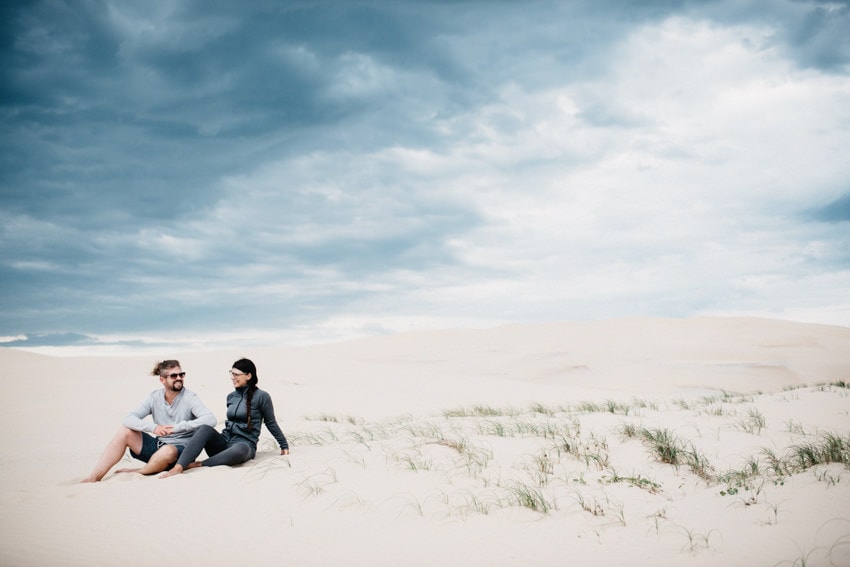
177 385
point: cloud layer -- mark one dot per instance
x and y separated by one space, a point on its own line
304 171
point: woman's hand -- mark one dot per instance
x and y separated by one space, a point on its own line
284 451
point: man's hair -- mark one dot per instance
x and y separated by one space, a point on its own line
164 365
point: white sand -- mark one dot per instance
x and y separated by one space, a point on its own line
392 464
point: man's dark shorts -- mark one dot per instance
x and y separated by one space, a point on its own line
151 445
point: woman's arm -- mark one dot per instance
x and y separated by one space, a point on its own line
266 407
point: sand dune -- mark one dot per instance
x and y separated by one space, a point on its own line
519 445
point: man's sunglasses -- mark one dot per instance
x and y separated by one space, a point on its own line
174 375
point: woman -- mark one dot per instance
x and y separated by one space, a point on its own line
237 442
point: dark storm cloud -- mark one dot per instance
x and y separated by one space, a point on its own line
836 212
139 119
820 38
812 32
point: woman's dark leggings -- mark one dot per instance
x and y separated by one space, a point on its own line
220 453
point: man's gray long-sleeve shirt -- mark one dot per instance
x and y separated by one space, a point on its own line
186 414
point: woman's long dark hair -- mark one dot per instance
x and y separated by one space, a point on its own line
246 366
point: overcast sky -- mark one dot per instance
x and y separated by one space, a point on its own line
260 172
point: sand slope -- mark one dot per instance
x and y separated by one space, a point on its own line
517 445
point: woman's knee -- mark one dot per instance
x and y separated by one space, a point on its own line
243 452
203 435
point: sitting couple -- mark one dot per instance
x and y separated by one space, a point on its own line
182 426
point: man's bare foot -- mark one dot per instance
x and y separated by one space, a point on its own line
176 470
127 470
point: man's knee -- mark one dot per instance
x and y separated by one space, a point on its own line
126 433
165 454
129 438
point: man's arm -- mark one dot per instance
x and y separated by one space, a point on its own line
135 420
200 413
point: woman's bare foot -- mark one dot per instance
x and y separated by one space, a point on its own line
176 470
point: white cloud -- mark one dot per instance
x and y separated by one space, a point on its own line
672 210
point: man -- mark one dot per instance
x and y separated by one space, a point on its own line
176 414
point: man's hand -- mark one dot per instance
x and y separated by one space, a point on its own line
284 451
163 430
